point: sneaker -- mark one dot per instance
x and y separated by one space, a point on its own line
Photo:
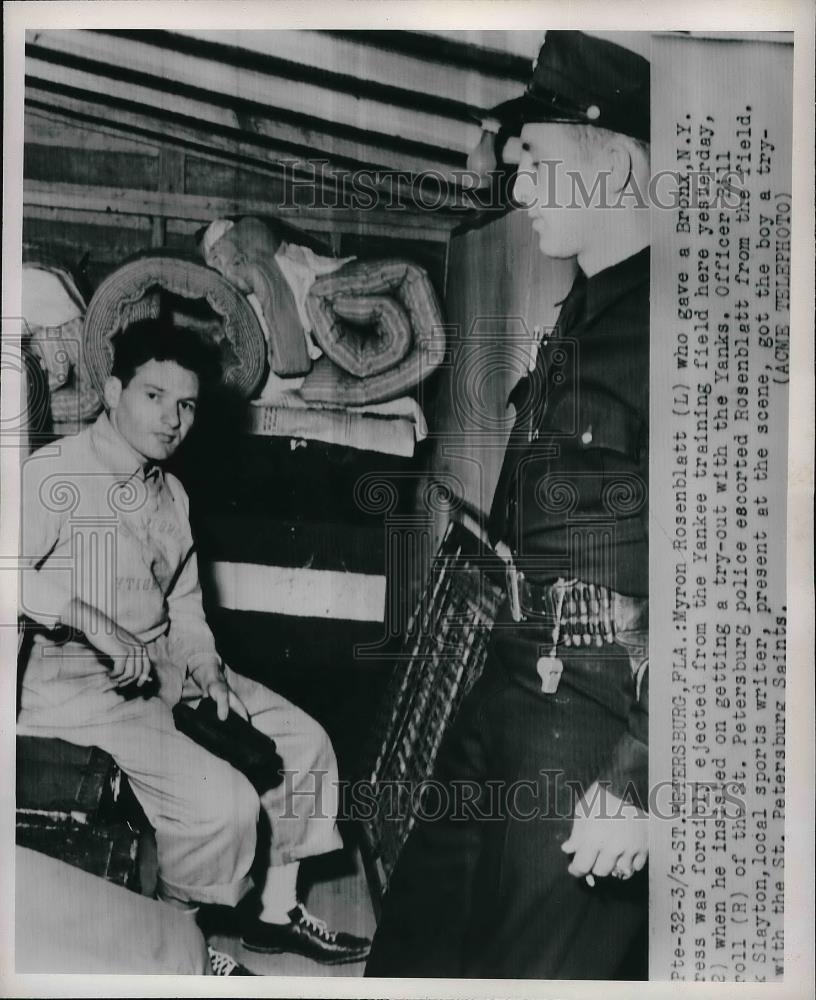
306 935
225 965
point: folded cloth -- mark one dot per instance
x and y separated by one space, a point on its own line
54 312
244 253
279 275
74 400
389 434
50 296
52 306
404 408
301 266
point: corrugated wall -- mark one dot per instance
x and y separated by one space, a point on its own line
362 100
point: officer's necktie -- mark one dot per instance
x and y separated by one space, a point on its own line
529 397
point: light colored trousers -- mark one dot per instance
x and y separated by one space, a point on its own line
204 812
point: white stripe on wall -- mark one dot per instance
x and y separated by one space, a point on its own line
305 593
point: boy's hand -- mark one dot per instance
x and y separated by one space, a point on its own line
210 679
608 835
130 660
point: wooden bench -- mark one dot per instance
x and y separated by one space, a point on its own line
74 804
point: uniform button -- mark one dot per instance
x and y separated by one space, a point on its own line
586 437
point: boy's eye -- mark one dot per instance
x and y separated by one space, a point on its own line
189 406
152 395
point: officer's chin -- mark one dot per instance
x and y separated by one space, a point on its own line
549 245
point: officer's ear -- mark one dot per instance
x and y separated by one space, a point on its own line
112 392
618 158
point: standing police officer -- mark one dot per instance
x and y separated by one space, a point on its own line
536 870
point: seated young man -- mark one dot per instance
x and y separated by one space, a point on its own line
110 577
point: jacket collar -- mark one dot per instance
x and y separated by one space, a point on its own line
611 284
117 455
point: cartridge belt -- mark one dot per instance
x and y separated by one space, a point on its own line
579 613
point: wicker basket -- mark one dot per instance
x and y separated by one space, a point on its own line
443 655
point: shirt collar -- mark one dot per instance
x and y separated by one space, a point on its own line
611 284
118 455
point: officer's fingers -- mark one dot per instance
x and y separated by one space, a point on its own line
577 836
219 693
605 862
583 861
639 860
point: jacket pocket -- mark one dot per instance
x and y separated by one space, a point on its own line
596 419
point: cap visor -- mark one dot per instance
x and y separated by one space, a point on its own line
531 108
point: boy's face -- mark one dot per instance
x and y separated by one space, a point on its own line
156 409
550 161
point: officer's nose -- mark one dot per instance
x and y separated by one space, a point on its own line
524 186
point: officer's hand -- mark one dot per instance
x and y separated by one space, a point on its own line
210 680
607 834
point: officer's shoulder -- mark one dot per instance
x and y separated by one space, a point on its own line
629 312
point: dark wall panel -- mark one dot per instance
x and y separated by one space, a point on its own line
67 165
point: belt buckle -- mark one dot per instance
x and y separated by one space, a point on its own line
512 577
549 667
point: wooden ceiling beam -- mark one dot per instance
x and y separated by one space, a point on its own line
435 47
222 49
110 114
172 205
213 82
294 142
353 52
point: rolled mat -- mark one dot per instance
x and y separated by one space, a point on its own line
405 341
121 297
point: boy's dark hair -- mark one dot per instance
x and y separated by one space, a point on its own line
158 340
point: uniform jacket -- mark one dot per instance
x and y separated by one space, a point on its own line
572 497
576 468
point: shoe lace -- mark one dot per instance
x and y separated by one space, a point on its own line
222 964
320 927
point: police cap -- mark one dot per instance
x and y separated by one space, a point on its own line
581 80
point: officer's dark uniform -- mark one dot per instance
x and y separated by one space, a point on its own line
485 891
